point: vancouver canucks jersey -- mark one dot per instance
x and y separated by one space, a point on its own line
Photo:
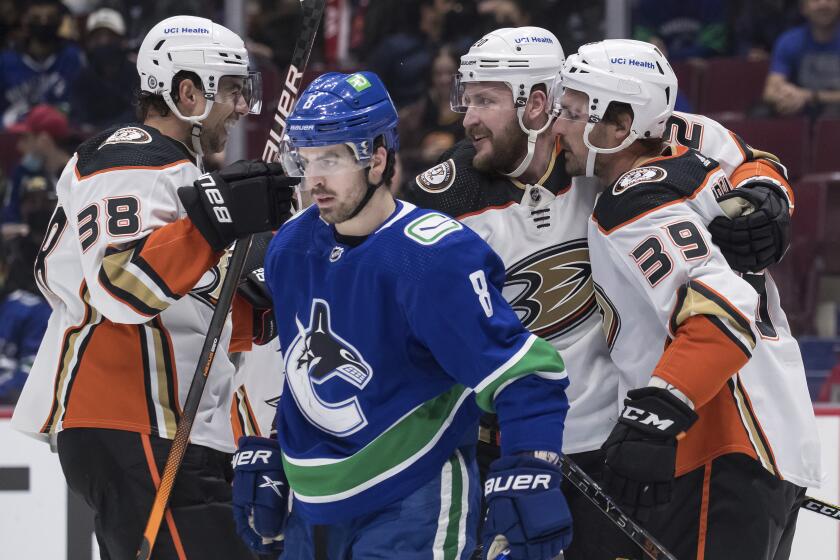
390 348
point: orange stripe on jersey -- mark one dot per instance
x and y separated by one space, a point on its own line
178 255
113 358
703 526
242 317
80 177
719 430
762 168
170 521
693 195
700 359
486 209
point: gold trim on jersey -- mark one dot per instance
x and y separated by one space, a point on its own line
244 415
160 379
752 426
115 268
696 298
72 347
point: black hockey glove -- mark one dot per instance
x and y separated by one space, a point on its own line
253 288
641 451
252 282
243 198
752 242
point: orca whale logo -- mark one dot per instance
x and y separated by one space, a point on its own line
316 356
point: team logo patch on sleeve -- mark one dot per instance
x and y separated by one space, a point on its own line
438 178
650 174
128 135
431 228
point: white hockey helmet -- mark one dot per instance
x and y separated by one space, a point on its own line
194 44
520 57
624 71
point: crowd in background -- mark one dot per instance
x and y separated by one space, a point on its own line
67 70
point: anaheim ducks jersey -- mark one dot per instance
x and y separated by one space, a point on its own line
132 284
540 233
727 344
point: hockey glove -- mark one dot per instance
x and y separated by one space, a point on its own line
260 494
252 283
243 198
526 506
641 451
757 237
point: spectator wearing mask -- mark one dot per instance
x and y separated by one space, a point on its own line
102 96
42 68
43 134
805 65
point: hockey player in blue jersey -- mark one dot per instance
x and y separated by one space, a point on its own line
394 335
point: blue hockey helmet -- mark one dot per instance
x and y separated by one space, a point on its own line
339 109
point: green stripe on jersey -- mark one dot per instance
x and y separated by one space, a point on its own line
536 356
397 448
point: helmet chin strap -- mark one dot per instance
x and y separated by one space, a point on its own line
532 142
371 189
195 121
595 150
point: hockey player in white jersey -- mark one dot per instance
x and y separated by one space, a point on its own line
716 439
507 182
394 333
131 265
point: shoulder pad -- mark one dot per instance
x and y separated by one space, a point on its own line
455 187
129 146
650 186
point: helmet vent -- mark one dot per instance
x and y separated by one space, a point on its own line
356 121
488 63
668 95
660 68
159 45
518 63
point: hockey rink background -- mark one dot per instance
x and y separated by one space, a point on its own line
39 519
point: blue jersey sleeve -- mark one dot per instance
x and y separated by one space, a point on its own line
457 310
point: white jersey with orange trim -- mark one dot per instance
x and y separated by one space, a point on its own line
539 231
727 344
132 284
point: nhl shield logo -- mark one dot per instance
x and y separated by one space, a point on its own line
322 369
438 178
336 253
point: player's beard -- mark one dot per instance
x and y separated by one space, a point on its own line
214 139
507 148
341 210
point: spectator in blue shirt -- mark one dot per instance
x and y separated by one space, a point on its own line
42 68
805 65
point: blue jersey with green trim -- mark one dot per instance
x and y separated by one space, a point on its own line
390 348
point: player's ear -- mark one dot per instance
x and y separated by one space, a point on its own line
535 109
188 96
621 125
378 161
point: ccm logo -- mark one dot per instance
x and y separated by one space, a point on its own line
251 457
518 482
647 418
215 197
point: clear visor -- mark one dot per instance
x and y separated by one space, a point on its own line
249 88
320 161
573 109
490 96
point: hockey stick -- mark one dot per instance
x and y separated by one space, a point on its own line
311 12
583 482
823 508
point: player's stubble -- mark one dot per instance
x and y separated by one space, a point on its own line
508 147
